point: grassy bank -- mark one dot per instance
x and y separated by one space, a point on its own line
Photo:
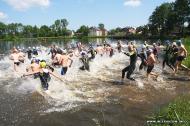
178 110
187 46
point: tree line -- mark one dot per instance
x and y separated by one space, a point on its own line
57 29
168 19
18 30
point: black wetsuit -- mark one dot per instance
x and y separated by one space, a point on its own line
53 52
143 64
155 52
111 52
131 67
93 54
59 51
174 56
29 52
119 48
35 52
85 61
45 78
167 57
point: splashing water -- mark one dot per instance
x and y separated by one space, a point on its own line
79 87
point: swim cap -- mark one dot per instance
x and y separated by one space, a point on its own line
64 51
179 43
150 50
167 42
83 53
43 64
143 46
174 44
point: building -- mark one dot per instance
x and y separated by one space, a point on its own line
97 32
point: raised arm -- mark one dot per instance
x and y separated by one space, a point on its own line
55 76
71 62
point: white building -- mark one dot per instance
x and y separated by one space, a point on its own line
97 32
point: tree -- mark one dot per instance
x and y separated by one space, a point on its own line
83 31
182 13
101 26
159 18
2 30
45 31
64 23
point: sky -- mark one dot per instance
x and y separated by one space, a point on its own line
112 13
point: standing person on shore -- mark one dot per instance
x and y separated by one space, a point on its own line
182 54
131 67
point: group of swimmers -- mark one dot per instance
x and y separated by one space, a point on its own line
175 53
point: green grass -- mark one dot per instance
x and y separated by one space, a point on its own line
178 110
187 46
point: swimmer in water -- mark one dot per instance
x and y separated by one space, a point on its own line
150 63
182 54
133 59
64 62
85 61
44 75
15 57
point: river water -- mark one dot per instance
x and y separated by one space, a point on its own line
84 98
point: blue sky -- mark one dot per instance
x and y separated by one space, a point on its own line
113 13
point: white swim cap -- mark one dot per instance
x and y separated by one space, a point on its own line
143 46
64 51
150 50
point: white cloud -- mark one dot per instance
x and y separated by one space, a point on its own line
3 16
133 3
26 4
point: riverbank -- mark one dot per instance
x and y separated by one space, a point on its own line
179 109
177 113
187 46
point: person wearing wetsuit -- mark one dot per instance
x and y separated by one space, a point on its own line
155 51
119 46
143 57
35 52
167 57
85 61
29 52
53 51
111 50
93 53
133 59
174 54
44 75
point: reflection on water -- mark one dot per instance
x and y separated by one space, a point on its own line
84 98
7 45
